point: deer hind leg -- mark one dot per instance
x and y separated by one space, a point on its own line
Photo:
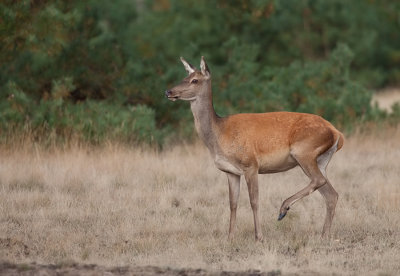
234 190
310 167
315 169
327 191
331 198
252 184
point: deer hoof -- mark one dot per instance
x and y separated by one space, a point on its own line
283 214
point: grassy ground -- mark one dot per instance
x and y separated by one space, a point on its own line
114 205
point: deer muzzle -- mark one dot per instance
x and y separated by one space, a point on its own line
169 95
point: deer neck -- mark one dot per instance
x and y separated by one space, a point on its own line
205 118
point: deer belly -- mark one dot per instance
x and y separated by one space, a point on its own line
276 162
224 165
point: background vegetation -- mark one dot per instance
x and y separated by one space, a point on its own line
97 69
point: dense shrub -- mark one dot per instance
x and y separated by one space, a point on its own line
90 120
98 68
320 87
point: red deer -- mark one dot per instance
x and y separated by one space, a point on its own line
252 144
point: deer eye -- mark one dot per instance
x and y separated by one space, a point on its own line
194 81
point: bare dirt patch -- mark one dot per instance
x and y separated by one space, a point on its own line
386 98
8 269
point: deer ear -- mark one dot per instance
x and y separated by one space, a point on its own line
204 68
188 67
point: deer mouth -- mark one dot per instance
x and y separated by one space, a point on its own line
173 98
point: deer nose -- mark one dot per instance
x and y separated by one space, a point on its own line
167 93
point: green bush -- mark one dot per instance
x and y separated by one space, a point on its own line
99 68
91 120
319 87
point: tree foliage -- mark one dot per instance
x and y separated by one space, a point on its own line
98 68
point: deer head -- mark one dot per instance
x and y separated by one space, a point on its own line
194 86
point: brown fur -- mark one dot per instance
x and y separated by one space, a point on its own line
251 137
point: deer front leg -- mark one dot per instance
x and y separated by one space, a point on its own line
252 184
234 190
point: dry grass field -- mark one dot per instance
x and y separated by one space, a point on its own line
116 206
